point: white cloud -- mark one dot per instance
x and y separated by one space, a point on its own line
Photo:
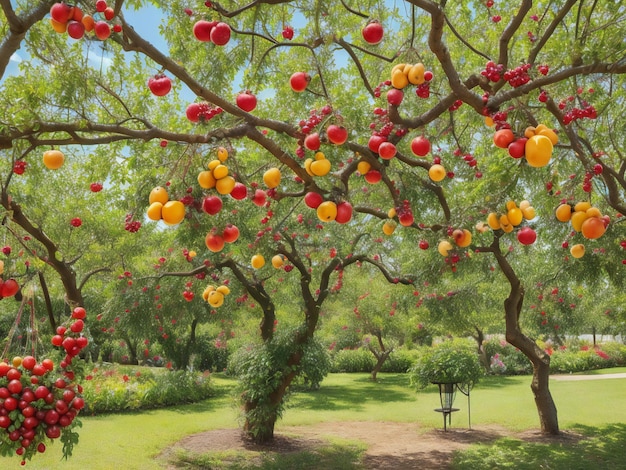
15 58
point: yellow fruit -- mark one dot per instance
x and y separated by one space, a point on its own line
58 26
538 151
208 289
582 206
192 254
173 212
391 213
271 178
53 159
222 154
399 80
529 213
437 172
540 127
515 216
216 299
154 211
17 361
504 220
593 212
444 247
549 133
489 121
225 185
307 166
327 211
389 227
529 132
493 221
223 289
577 220
212 164
465 240
363 167
278 261
320 167
220 171
577 251
319 156
416 74
524 204
563 213
507 228
510 205
206 179
158 194
1 266
399 67
257 261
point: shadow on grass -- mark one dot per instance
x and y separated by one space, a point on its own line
598 448
335 456
362 390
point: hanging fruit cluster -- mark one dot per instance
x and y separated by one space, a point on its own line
214 296
512 218
536 145
161 208
70 19
38 402
318 166
403 75
217 175
584 219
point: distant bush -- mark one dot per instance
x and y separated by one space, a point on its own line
401 360
506 359
353 360
111 389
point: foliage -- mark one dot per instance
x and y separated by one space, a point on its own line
513 362
111 389
567 360
401 360
353 360
453 361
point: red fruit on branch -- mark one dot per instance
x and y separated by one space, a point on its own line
373 32
160 85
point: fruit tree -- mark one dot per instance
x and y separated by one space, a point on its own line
290 144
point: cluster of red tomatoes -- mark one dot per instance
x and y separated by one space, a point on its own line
38 401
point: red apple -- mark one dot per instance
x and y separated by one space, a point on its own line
202 30
160 85
420 146
313 199
344 212
299 81
387 150
61 12
214 242
288 33
373 176
101 5
337 134
517 147
239 192
230 233
423 244
526 236
375 141
9 288
312 141
246 101
259 197
212 205
220 34
373 32
406 219
395 96
102 30
75 29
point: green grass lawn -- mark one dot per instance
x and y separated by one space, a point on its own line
131 441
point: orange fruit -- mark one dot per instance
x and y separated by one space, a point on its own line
320 167
58 27
538 151
327 211
493 221
389 227
582 206
444 247
515 216
278 261
563 213
173 212
154 211
271 177
215 299
53 159
593 228
257 261
577 251
437 172
88 22
220 171
222 154
206 179
17 361
577 220
503 138
158 194
363 167
225 185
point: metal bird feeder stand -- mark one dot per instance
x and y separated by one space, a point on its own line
447 394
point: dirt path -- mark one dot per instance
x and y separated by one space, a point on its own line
390 446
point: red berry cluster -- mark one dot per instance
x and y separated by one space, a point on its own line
405 214
574 114
518 76
307 126
382 126
500 120
95 187
19 167
71 20
456 105
543 69
131 225
543 96
378 88
423 90
202 112
493 71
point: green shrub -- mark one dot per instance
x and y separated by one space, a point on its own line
207 356
353 360
401 360
448 362
506 359
113 389
566 361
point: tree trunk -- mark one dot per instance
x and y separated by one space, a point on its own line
482 354
380 360
538 357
